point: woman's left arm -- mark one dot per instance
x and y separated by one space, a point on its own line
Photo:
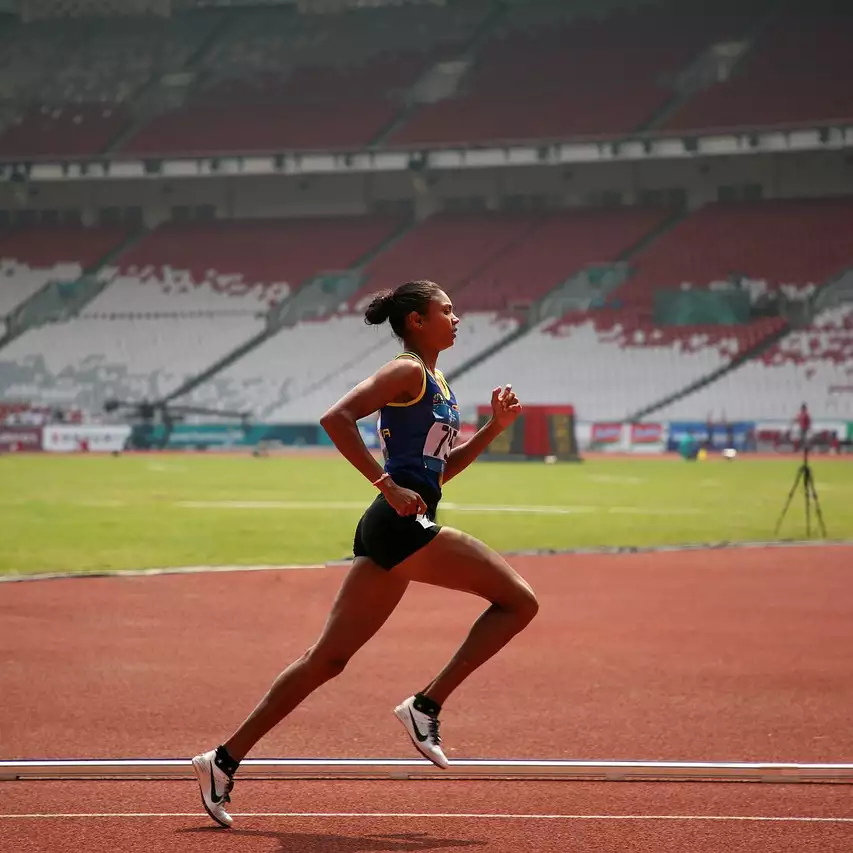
505 409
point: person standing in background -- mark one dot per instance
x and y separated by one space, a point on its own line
804 423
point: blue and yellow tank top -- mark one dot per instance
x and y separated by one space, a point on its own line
417 437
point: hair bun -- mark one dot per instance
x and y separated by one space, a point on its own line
379 309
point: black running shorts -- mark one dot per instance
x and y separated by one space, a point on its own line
388 538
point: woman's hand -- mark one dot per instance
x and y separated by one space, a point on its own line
404 501
505 406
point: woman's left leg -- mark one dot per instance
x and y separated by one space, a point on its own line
364 602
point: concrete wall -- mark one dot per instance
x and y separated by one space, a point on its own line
780 176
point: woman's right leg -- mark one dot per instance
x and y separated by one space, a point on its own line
364 602
455 560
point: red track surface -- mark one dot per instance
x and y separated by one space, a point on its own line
722 655
189 829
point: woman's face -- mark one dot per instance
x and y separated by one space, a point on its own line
438 326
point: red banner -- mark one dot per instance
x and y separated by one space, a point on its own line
608 433
20 439
646 433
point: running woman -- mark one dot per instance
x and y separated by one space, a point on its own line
397 539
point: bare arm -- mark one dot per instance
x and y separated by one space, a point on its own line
505 409
398 381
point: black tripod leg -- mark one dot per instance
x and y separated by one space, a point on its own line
790 497
810 486
807 479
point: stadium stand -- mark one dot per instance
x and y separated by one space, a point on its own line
31 53
604 366
280 80
75 78
275 79
248 264
118 56
89 360
277 382
232 273
448 248
183 298
32 257
273 382
489 263
175 304
592 77
812 366
71 131
789 246
556 246
500 261
798 73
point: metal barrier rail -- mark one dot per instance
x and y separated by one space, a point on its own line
382 768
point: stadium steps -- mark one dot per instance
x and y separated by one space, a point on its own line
371 254
735 363
219 29
835 292
540 309
535 314
227 360
400 118
356 359
42 307
673 104
129 243
279 321
140 116
752 36
468 50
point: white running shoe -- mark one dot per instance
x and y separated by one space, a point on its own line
215 787
423 730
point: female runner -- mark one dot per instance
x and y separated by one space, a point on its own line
397 539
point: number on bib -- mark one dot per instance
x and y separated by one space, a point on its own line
440 441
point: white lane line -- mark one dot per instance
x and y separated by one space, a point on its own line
543 509
177 570
651 510
445 815
273 504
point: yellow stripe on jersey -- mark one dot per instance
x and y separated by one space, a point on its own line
423 384
442 382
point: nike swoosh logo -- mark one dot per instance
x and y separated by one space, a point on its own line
213 797
421 738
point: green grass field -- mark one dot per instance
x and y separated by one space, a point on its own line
94 513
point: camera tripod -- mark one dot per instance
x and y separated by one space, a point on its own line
805 473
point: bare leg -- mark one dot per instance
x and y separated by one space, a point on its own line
454 560
364 602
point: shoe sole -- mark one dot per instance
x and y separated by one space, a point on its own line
400 713
201 774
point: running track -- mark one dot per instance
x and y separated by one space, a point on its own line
739 655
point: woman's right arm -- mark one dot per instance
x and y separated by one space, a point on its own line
398 381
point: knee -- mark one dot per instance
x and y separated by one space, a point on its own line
528 605
524 604
325 663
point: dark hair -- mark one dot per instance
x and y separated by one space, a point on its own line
396 305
